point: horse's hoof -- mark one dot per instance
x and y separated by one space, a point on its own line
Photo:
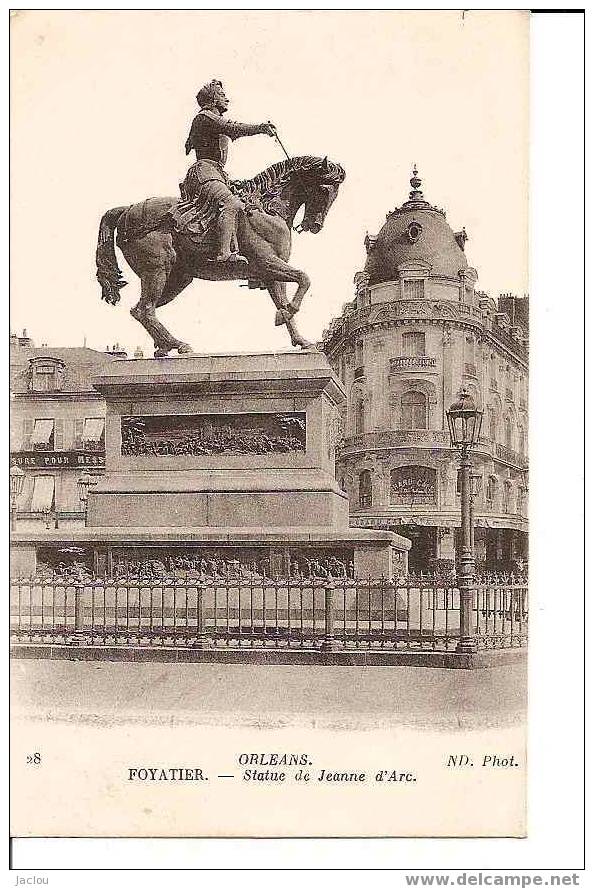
303 344
162 353
184 349
282 317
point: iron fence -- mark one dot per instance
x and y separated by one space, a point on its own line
413 613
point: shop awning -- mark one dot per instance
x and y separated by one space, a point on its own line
93 430
42 432
43 493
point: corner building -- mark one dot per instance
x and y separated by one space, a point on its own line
417 331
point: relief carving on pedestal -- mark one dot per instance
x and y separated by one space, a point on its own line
210 434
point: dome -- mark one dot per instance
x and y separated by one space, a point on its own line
416 231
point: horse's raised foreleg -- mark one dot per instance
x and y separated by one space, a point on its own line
276 269
278 290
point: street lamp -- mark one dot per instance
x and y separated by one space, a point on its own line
17 480
464 422
83 484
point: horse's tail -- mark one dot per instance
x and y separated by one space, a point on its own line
109 274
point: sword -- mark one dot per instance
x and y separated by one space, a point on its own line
296 228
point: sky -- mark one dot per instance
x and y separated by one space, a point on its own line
102 102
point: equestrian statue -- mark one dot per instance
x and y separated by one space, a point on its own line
220 230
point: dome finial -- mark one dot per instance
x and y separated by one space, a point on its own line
416 194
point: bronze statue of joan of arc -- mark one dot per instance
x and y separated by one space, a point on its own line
219 230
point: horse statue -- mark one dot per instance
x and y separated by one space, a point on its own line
166 259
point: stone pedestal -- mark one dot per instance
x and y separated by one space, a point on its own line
220 441
225 463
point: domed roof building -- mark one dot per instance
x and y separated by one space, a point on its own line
415 233
417 331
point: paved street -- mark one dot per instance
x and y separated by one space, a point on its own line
242 694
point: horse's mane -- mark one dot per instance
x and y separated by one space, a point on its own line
267 184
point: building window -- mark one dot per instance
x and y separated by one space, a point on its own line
490 493
359 353
92 438
507 494
493 372
492 421
508 433
46 374
414 289
414 410
359 415
89 434
43 493
521 441
413 344
469 356
42 436
365 489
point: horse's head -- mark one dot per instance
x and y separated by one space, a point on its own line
321 183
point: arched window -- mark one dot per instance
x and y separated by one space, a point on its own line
365 489
414 410
359 415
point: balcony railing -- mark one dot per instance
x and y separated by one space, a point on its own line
408 362
509 455
394 438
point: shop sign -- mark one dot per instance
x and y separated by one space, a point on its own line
412 485
57 459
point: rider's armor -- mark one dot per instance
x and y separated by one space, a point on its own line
210 134
206 183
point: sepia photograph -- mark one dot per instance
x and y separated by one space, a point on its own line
270 435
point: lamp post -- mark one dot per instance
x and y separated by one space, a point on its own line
464 422
17 480
84 483
476 484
